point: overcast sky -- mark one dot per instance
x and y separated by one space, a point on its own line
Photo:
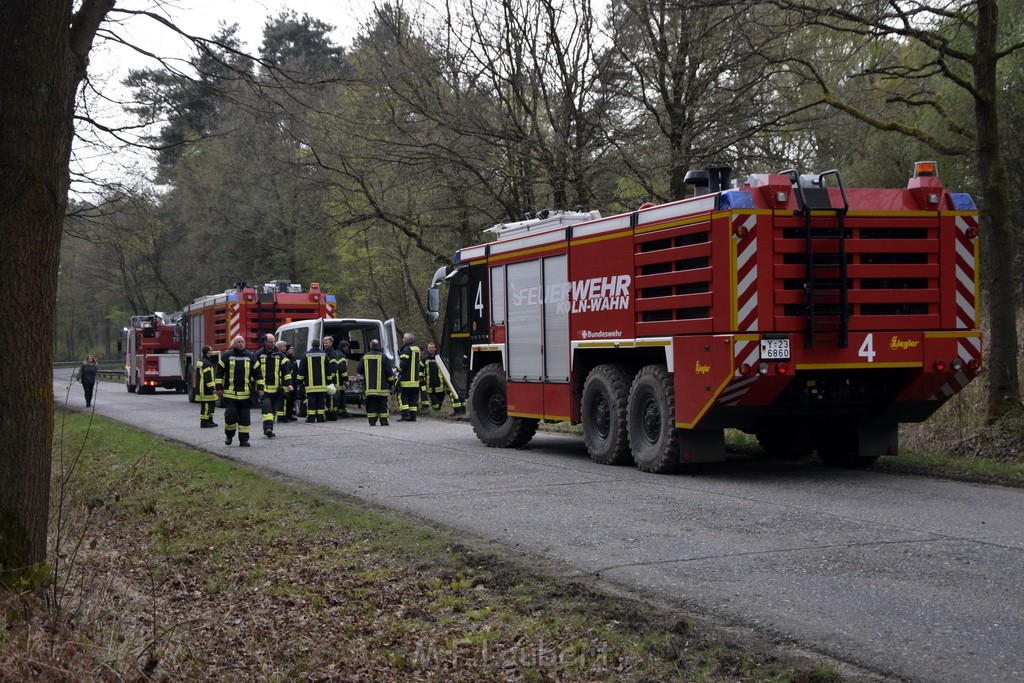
110 62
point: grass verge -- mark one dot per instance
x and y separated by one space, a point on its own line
173 564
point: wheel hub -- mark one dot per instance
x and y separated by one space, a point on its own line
602 418
651 421
497 412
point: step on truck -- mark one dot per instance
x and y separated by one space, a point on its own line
791 307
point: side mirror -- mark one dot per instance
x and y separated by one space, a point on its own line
433 305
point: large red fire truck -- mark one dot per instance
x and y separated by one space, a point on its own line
151 354
216 319
788 307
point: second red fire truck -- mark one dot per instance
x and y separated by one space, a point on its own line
790 307
244 310
151 354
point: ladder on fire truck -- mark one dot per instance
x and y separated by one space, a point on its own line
827 309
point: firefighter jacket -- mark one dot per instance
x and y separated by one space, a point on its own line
236 370
433 381
409 370
206 379
313 370
377 373
276 370
339 366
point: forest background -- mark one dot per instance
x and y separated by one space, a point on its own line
363 167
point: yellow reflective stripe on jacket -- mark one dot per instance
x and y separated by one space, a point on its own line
373 374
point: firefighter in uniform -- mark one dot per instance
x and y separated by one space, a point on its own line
330 401
435 386
409 373
276 379
236 370
287 369
432 388
314 373
341 379
205 382
289 403
377 374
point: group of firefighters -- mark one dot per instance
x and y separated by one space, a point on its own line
273 375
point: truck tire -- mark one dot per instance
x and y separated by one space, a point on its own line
488 413
653 436
603 409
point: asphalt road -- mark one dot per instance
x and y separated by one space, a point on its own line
908 577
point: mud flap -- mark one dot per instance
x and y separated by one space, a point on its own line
874 440
701 445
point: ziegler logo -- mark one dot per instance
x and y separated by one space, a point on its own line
701 369
897 344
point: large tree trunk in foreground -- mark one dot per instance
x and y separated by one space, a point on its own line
997 236
43 55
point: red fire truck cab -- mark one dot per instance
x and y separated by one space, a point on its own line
789 307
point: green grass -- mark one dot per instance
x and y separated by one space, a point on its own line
176 564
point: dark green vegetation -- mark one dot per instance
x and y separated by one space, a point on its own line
178 565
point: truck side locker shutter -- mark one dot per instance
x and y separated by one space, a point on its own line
556 322
390 341
525 322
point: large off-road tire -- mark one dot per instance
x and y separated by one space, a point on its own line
653 436
837 447
603 409
488 413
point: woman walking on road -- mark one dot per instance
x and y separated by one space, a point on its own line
87 375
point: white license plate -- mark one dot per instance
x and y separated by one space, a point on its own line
774 349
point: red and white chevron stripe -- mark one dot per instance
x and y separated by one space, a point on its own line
746 272
966 292
234 321
745 351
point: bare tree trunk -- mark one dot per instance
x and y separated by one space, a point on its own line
43 56
998 242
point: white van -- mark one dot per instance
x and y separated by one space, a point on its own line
356 331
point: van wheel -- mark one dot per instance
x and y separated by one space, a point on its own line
603 409
489 415
653 436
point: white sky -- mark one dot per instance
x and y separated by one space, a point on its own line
110 62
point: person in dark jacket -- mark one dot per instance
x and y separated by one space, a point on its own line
87 375
313 372
432 389
377 374
236 370
277 380
293 397
409 373
205 383
341 379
